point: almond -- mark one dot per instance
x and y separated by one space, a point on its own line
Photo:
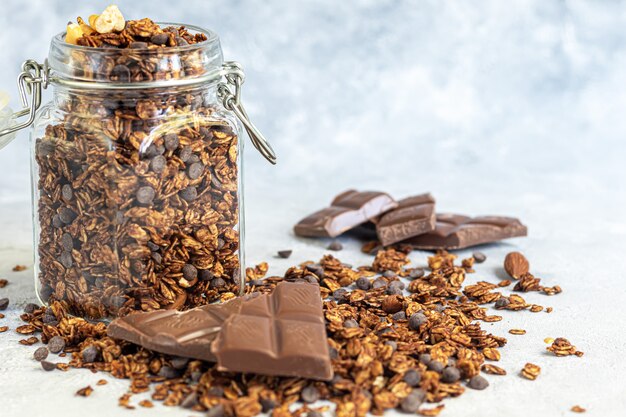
516 264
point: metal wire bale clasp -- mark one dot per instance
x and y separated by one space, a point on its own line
32 79
232 101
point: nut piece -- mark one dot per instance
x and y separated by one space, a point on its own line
516 265
110 20
531 371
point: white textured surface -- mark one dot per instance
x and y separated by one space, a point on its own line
496 107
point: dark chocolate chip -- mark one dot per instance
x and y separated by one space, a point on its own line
379 283
205 275
416 273
160 38
217 283
49 318
412 377
478 382
190 272
41 354
66 260
168 372
145 195
317 269
190 400
479 257
393 344
335 245
450 375
216 392
393 291
310 394
90 354
195 170
502 302
412 402
67 215
30 308
158 164
340 295
121 73
188 194
56 221
137 45
67 241
267 404
66 192
416 320
400 315
434 365
48 366
363 283
424 358
179 363
171 141
56 344
185 153
157 258
181 42
216 411
284 253
389 274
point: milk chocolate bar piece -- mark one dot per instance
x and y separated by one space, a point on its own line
279 334
188 334
413 216
454 231
348 210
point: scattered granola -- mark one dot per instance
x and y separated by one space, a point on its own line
4 303
531 371
492 369
3 283
85 392
517 331
4 329
577 409
102 382
562 347
18 268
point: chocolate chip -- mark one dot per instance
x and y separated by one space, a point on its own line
216 392
195 170
185 153
90 354
190 400
66 260
67 241
4 303
434 365
335 245
216 411
424 358
193 159
121 73
30 308
312 279
156 257
412 377
450 375
145 195
416 320
393 344
188 194
389 274
379 283
400 315
350 324
205 275
196 375
49 318
217 283
479 257
56 221
190 272
56 344
267 404
160 38
284 253
67 215
397 284
340 295
66 192
393 291
412 402
48 366
137 45
41 354
171 141
416 273
363 283
158 164
310 394
502 302
168 372
181 42
317 269
179 363
478 382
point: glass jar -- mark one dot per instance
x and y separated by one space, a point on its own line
136 169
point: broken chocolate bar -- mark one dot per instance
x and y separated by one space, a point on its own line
188 334
279 334
454 231
348 210
413 216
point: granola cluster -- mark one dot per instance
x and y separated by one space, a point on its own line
138 201
388 350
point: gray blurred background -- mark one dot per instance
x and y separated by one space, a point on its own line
512 107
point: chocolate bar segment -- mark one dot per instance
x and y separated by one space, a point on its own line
413 216
348 210
281 334
454 231
188 334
